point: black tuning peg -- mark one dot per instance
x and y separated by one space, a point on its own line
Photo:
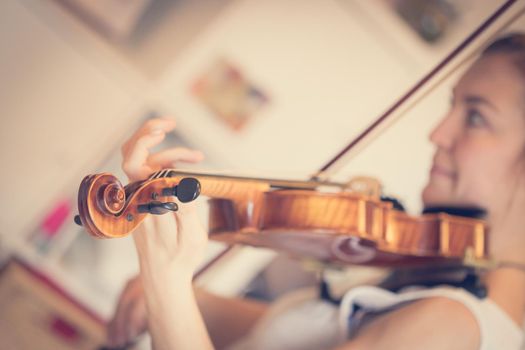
186 191
77 220
157 208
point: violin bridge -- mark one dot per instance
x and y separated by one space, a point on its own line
365 185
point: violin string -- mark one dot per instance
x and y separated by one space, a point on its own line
155 175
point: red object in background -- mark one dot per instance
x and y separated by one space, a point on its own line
64 329
50 316
56 217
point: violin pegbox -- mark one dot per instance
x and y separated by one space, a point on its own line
109 210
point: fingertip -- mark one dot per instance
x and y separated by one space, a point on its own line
162 123
168 118
169 122
157 132
190 157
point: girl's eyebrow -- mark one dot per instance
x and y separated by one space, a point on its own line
476 100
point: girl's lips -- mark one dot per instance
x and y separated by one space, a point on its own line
440 171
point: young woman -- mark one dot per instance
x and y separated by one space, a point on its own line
479 161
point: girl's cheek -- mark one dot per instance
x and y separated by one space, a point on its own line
472 187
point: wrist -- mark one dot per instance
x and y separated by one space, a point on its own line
160 277
168 298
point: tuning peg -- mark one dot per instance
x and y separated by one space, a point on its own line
157 208
77 220
186 191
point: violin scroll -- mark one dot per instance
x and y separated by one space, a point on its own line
112 198
109 210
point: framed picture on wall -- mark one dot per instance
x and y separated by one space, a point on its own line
229 94
431 19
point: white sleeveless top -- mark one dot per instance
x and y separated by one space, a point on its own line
301 320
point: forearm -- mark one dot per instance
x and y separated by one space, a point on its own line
226 320
174 318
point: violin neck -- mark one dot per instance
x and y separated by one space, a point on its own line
244 182
233 189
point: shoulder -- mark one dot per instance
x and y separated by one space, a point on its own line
435 322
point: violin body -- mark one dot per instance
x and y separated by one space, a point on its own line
348 228
341 227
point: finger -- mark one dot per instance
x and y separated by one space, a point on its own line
165 232
169 158
162 124
152 234
134 163
190 226
148 127
189 210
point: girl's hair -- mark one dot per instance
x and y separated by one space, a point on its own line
512 44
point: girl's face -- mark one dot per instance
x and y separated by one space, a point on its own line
481 141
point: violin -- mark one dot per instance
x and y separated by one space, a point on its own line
325 221
338 223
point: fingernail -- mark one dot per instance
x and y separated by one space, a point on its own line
156 132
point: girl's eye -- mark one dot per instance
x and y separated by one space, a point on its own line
475 119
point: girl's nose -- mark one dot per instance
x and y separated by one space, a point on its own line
444 134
